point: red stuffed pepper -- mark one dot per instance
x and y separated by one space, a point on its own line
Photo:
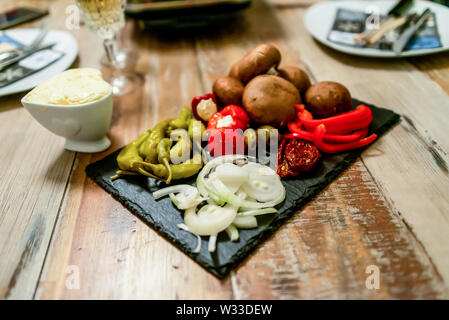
203 107
225 129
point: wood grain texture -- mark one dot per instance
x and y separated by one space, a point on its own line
436 68
410 163
34 178
326 248
33 184
389 209
283 279
118 256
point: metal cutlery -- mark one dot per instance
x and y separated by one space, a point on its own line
20 51
408 33
395 18
25 54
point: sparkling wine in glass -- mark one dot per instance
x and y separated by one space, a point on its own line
106 18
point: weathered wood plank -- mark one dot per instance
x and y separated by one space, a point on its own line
337 242
436 67
325 249
34 176
119 256
410 163
11 4
33 183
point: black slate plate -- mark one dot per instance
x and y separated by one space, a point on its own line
135 194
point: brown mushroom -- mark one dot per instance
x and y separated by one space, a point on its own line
258 61
234 72
228 91
270 99
327 98
297 76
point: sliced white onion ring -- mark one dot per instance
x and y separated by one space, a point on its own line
212 243
185 228
232 232
230 173
223 193
256 212
247 222
209 220
173 189
211 165
252 188
187 196
263 188
259 169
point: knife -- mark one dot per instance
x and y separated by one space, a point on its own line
25 54
34 44
408 33
395 18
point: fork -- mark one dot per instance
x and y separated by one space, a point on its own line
19 52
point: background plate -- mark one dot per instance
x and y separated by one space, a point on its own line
65 43
320 17
135 193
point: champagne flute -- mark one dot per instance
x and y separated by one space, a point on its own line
106 18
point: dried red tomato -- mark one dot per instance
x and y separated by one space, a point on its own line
296 156
301 155
282 165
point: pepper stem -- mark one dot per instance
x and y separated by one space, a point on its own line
170 174
121 173
147 174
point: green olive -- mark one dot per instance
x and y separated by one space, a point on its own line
196 129
250 136
266 130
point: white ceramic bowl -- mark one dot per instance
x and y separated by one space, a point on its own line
84 126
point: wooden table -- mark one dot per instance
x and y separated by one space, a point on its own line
390 209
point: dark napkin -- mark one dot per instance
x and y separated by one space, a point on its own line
135 193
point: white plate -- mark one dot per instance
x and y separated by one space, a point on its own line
65 42
320 17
